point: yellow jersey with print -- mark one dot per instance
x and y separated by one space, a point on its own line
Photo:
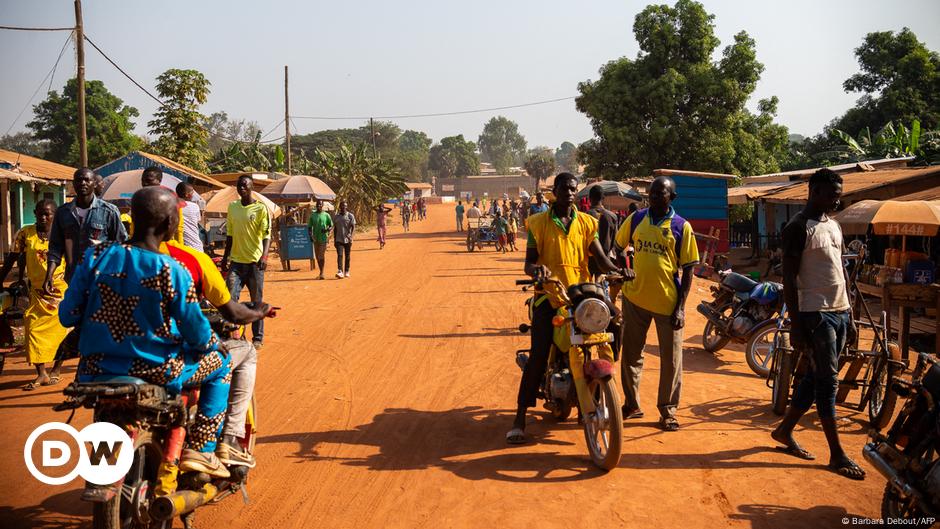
657 259
563 250
27 241
248 226
204 272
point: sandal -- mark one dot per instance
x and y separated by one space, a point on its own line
669 424
849 469
31 386
516 436
632 413
797 451
53 380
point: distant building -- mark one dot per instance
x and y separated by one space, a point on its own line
24 180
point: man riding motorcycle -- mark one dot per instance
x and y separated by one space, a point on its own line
211 286
560 243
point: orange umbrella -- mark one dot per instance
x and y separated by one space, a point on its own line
218 204
918 218
298 188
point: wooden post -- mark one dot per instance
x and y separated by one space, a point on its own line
80 59
287 124
372 128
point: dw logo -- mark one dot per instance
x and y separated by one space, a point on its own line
108 458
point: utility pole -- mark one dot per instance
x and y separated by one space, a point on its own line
80 52
372 128
287 122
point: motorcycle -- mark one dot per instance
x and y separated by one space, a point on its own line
908 454
154 490
742 311
582 357
13 300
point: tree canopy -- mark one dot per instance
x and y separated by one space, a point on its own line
108 124
454 156
566 157
673 106
178 123
540 164
501 144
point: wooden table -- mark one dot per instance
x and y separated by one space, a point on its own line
905 297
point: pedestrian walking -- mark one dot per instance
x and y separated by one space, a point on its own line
381 213
664 246
190 215
248 237
406 216
320 225
345 225
460 211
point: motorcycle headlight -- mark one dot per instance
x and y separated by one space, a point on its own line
592 316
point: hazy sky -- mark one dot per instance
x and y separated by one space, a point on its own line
412 57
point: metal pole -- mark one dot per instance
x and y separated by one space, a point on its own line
287 123
80 51
372 127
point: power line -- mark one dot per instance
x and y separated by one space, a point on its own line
103 54
19 28
48 76
438 114
268 133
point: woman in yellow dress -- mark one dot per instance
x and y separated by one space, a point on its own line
43 331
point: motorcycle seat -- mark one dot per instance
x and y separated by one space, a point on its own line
739 283
117 379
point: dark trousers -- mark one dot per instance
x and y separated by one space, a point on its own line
343 249
825 334
252 278
541 334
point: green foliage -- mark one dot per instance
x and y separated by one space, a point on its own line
178 123
891 141
108 124
24 143
501 144
673 107
454 156
899 80
223 131
540 165
363 181
740 212
413 153
566 157
246 156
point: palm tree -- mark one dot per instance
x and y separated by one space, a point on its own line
363 181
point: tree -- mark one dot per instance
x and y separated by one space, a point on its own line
501 144
108 124
892 141
672 106
899 81
540 165
413 152
24 143
454 156
223 131
359 178
566 157
178 123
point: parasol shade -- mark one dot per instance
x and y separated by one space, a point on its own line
218 204
891 217
617 195
298 188
120 187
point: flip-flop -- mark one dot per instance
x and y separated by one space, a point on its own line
516 436
849 469
797 451
31 386
53 380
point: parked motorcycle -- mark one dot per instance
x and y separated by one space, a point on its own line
13 301
582 355
743 311
908 454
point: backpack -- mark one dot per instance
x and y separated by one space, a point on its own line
677 225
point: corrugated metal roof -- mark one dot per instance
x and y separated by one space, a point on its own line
853 183
927 194
182 168
19 177
742 194
35 167
882 164
417 185
680 172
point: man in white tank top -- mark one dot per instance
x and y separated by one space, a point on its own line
814 287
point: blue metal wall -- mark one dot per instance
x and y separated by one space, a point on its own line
701 198
134 161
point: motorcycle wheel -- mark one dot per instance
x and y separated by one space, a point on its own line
896 507
782 379
605 436
883 400
759 352
711 340
118 512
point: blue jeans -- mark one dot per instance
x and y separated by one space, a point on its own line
252 278
825 334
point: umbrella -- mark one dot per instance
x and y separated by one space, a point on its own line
612 189
218 204
298 188
891 217
120 187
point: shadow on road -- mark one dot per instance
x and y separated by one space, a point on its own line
779 517
508 331
58 511
415 440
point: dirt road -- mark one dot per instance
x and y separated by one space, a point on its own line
385 398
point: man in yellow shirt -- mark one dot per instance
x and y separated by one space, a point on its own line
560 244
248 229
663 245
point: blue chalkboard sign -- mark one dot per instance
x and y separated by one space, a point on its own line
295 242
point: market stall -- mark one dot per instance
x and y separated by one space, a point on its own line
297 194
